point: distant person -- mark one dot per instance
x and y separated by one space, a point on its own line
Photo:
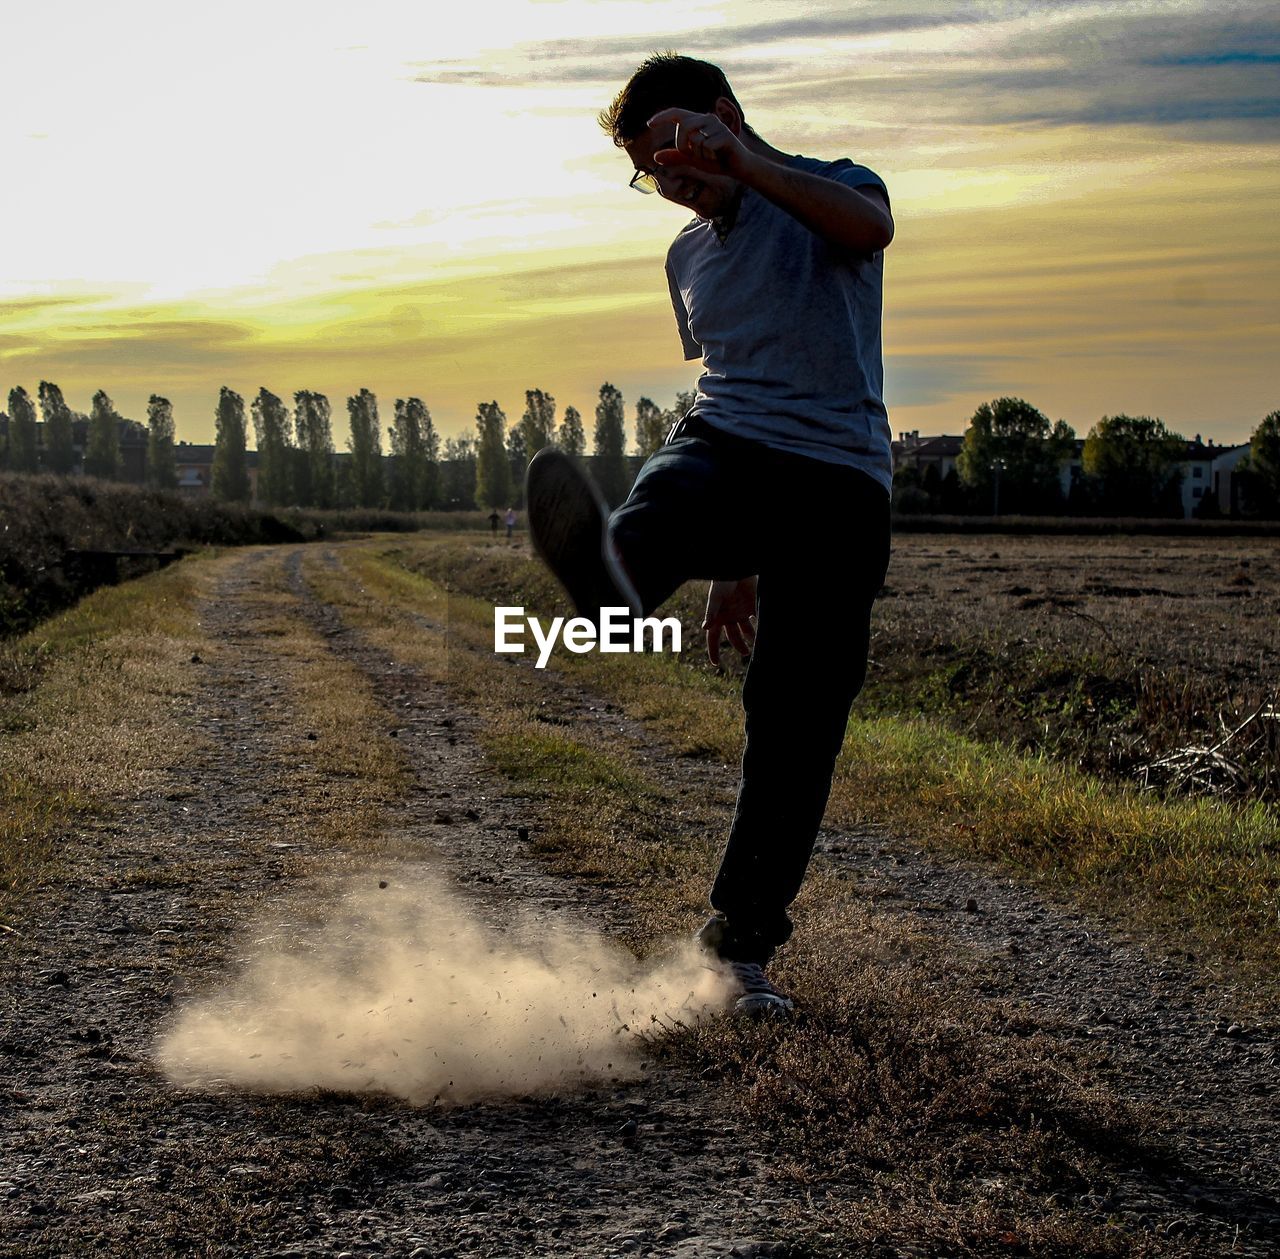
493 521
511 522
776 285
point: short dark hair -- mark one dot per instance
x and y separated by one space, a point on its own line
664 81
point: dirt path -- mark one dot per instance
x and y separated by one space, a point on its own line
99 1152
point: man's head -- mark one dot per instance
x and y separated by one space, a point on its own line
665 81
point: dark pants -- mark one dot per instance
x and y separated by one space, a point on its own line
709 505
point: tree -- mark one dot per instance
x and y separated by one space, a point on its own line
415 455
518 462
1134 461
538 423
405 437
230 464
1012 445
430 492
59 442
344 486
365 444
1264 464
271 434
102 450
162 472
910 498
458 475
24 454
651 427
493 470
680 408
571 438
610 446
313 460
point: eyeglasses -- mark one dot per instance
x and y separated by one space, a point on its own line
644 181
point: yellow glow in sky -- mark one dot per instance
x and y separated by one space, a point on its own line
392 197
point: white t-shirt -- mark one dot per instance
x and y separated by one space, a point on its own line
788 330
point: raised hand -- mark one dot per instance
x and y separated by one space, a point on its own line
702 142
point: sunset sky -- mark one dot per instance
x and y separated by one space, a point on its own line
417 199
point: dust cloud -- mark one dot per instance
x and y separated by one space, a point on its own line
399 988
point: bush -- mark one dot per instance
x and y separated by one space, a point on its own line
45 519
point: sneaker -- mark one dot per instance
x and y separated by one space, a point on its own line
568 522
758 998
755 995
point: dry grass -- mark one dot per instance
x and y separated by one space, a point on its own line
91 711
1198 865
917 1115
911 1113
1103 652
44 517
94 713
327 728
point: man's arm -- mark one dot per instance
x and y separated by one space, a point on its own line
855 219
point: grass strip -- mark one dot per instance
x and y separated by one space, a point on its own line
329 734
1193 863
90 712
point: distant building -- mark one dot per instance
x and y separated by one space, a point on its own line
194 464
1208 476
913 451
1208 472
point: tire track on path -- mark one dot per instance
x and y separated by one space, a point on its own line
629 1166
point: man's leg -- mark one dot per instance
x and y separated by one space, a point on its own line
809 662
687 517
684 518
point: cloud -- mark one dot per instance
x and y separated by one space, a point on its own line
1218 59
13 308
130 340
373 323
989 66
611 60
918 380
491 331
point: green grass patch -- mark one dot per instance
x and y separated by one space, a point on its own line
556 760
1198 862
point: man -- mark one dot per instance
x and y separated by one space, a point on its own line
776 286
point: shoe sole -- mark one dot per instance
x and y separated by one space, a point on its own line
761 1005
567 522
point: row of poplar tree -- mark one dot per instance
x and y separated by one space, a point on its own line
23 450
296 466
